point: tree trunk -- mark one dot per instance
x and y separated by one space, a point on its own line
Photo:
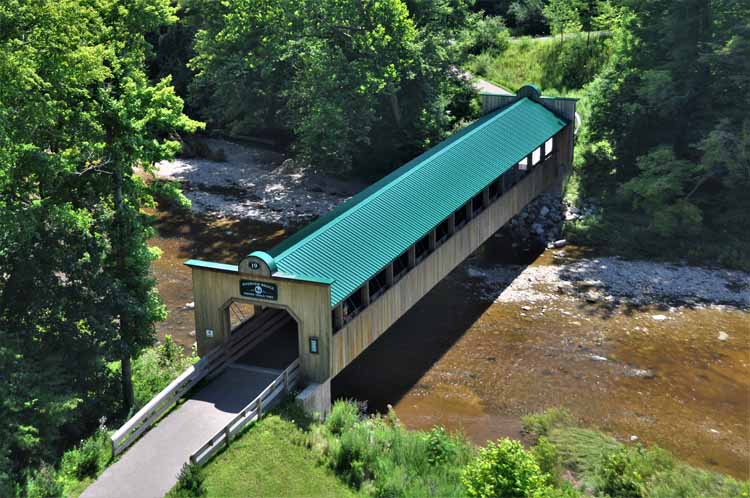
125 358
395 107
127 379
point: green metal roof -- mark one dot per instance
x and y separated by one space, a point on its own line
355 241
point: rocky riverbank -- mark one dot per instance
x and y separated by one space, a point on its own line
612 281
255 183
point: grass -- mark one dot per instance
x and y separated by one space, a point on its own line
379 456
555 68
603 465
271 460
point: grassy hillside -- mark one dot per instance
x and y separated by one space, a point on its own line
554 67
271 460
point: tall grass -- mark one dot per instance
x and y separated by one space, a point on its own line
380 457
545 63
606 467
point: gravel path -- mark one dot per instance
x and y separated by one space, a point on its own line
614 280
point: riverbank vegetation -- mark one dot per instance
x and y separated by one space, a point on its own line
352 454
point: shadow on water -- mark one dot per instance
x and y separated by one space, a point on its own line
397 361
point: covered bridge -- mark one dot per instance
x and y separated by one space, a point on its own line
347 277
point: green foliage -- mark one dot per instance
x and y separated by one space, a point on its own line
503 470
89 458
44 484
440 446
612 469
78 114
156 367
488 35
190 482
626 472
563 17
378 456
538 425
528 17
344 414
549 460
287 466
671 110
554 68
170 194
351 80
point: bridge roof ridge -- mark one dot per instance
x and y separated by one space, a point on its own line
354 241
377 188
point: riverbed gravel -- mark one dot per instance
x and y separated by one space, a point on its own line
255 183
612 280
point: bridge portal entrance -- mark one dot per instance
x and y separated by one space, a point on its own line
266 337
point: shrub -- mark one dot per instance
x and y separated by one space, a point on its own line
352 459
482 63
625 473
489 36
169 193
344 414
156 367
440 446
548 459
86 460
44 484
503 470
190 482
537 425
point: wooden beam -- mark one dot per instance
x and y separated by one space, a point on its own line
338 317
433 239
485 197
412 256
452 224
389 274
365 290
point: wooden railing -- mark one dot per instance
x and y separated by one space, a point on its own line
209 366
159 404
270 395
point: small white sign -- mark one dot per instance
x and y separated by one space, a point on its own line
209 333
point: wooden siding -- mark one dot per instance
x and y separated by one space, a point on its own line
307 302
358 334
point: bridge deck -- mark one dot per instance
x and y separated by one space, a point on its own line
150 467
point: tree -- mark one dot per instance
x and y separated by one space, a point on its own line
563 17
360 84
528 17
672 104
77 117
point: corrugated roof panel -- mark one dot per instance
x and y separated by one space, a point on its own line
356 240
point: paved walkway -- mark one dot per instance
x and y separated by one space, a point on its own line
149 468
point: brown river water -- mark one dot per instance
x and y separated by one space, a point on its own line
462 361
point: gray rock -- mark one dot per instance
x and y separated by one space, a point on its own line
561 243
544 211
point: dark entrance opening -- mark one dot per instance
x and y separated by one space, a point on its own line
266 340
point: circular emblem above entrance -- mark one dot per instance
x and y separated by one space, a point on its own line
258 263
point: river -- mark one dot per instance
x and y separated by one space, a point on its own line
470 362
